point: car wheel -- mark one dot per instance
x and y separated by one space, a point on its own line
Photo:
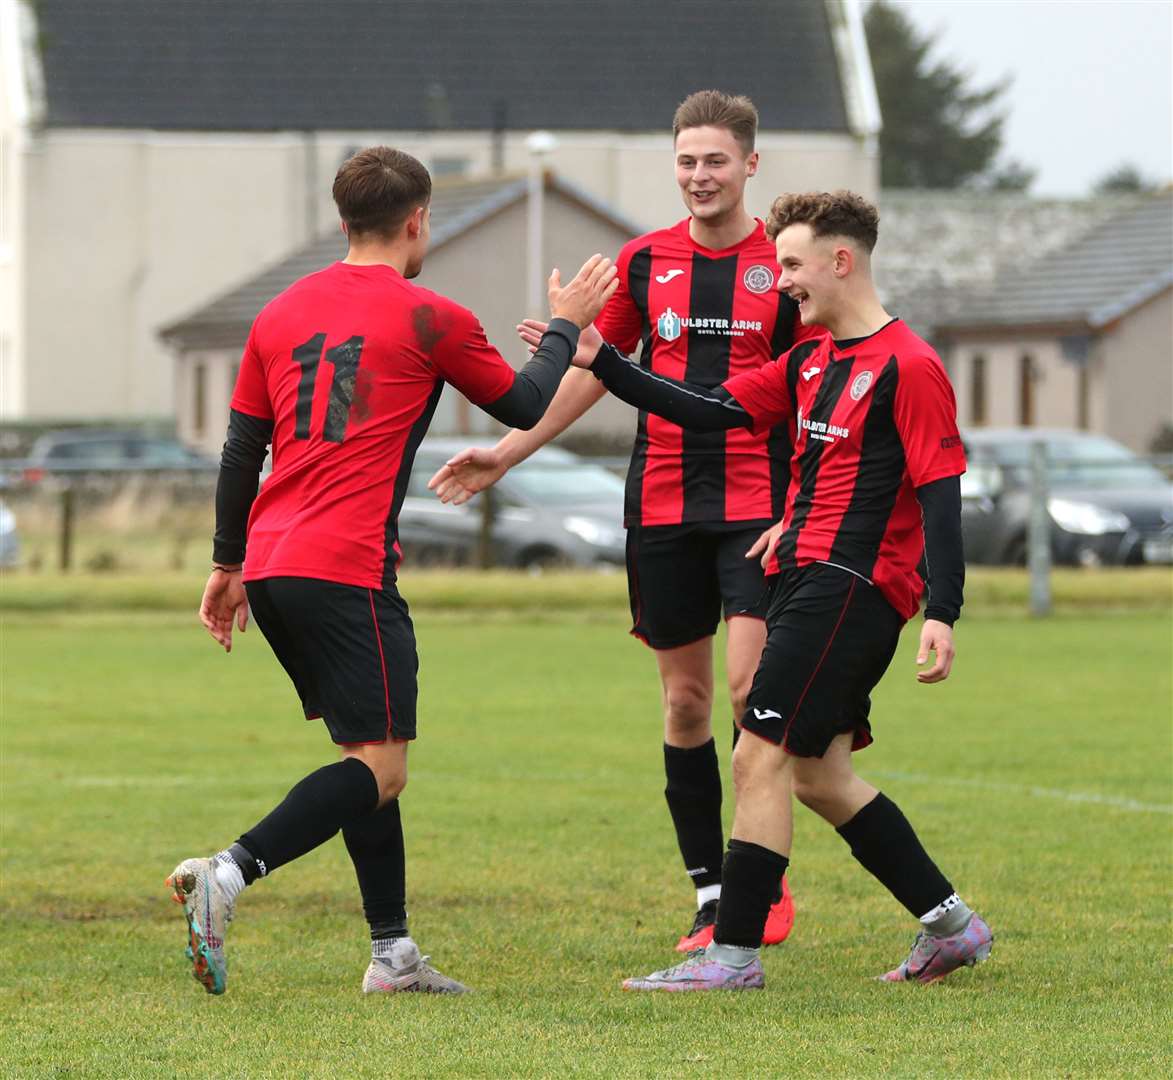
1015 553
536 560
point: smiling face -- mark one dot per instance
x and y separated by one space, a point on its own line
813 270
711 169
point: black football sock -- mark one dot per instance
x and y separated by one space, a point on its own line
240 857
749 886
694 801
375 843
313 811
886 846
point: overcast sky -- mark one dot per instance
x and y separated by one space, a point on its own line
1093 80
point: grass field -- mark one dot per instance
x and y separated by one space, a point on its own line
541 862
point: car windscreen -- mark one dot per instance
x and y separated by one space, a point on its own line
565 485
1086 462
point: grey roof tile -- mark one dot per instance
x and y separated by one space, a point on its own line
394 65
1097 278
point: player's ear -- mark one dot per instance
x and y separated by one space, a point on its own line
844 261
751 164
415 223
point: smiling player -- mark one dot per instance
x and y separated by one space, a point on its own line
876 467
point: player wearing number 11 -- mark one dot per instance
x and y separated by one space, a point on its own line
342 373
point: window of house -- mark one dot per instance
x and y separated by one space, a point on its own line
449 166
1026 390
199 397
1083 397
977 390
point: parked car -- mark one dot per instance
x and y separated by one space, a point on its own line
88 450
555 508
9 538
1107 505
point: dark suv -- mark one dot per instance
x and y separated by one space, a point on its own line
86 450
1107 506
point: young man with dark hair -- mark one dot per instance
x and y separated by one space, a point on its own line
699 299
342 373
875 484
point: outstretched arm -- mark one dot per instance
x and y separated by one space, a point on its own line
694 407
529 391
524 406
477 468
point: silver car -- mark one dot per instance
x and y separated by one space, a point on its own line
555 508
9 538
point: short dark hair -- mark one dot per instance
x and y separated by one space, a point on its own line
712 108
377 188
837 213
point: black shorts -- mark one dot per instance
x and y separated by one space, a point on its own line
830 637
679 577
349 651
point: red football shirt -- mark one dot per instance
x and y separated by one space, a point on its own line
703 316
349 363
875 419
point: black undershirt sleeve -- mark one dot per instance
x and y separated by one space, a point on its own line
694 407
940 504
526 401
240 467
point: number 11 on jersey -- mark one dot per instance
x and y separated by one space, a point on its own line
345 360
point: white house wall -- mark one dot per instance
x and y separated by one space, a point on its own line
129 233
1130 377
1138 388
1056 381
16 111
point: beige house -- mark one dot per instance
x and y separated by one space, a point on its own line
151 156
478 254
1082 338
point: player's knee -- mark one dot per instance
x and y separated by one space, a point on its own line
756 764
738 694
811 793
391 785
388 765
823 795
687 707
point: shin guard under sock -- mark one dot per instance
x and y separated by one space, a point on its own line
693 792
886 846
749 886
314 810
375 843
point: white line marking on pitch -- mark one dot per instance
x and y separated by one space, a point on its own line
1114 801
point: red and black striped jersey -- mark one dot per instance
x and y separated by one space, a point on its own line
349 364
703 316
875 419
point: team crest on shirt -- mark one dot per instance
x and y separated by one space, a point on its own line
758 278
860 385
668 325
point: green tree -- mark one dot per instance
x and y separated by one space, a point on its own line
1124 178
938 131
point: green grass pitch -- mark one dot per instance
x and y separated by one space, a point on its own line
542 867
